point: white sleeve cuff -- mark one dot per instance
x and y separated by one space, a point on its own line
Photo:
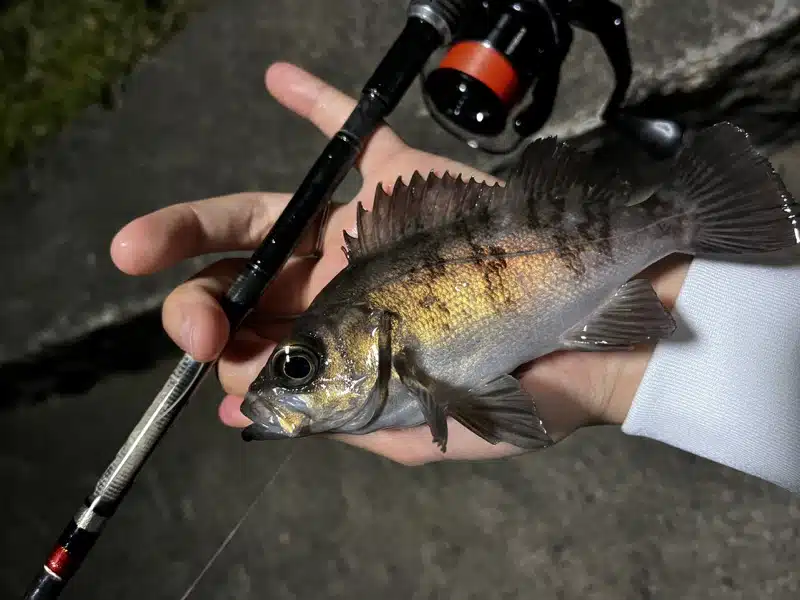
730 393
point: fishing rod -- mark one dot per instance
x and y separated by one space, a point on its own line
491 54
429 25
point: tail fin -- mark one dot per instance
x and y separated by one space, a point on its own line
734 200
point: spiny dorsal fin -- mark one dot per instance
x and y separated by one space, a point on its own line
552 184
425 203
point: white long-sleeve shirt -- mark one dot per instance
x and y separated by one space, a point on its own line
731 391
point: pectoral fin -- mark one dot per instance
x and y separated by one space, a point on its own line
424 389
497 411
633 315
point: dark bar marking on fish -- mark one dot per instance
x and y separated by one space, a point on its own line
432 269
496 266
427 301
433 260
490 263
569 254
565 232
595 227
601 231
532 216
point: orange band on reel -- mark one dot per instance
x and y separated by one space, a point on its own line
486 65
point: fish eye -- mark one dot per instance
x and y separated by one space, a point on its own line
295 365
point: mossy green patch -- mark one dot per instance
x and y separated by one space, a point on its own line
58 57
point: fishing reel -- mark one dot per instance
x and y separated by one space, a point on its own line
505 50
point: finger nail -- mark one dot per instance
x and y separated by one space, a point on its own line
187 335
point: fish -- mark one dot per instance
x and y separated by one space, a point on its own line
451 285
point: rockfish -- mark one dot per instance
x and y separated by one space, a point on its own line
451 285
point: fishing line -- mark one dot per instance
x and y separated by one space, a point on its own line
239 523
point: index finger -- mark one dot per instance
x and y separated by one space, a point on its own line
328 108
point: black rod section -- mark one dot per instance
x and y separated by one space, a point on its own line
422 35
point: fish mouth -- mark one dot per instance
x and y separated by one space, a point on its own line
272 421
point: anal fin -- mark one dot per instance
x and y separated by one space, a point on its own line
497 411
633 315
501 411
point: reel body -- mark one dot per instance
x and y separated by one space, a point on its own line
508 50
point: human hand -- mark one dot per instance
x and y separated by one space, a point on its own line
571 389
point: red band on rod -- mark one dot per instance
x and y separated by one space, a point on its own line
58 562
